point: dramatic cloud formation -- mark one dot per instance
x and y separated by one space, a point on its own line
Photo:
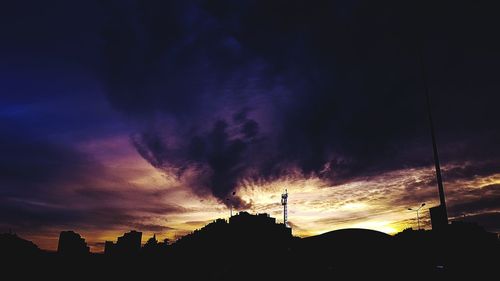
336 88
150 114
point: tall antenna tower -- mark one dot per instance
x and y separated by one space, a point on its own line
284 202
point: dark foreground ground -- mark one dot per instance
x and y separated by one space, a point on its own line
458 252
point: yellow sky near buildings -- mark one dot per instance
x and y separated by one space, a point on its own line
135 195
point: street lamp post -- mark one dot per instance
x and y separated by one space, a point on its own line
230 207
230 204
418 218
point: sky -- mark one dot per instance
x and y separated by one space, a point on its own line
148 115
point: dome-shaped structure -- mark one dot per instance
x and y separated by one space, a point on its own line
351 235
347 250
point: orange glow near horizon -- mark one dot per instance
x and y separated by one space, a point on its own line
138 196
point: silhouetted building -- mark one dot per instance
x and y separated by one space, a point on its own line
154 248
260 228
470 231
245 217
258 223
72 244
151 243
253 246
128 244
12 245
439 218
109 248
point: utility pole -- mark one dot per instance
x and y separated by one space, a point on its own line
442 202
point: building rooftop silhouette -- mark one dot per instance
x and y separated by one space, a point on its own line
127 244
256 246
13 245
258 224
72 244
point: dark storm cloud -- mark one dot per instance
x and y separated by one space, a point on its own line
332 89
484 199
30 164
33 172
125 198
28 216
151 227
220 157
46 184
470 170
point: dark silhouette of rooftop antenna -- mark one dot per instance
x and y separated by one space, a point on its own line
284 202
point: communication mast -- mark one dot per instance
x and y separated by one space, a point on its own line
284 202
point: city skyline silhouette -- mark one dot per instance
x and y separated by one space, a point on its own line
224 248
226 139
